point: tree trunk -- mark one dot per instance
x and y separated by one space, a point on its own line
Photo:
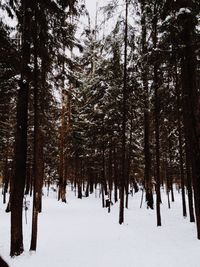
180 137
147 160
189 185
115 176
170 171
191 103
5 178
123 174
3 263
157 123
17 246
38 142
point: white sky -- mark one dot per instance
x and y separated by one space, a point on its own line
91 6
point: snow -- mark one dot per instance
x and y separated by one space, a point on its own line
82 234
168 18
183 11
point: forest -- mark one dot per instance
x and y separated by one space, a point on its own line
108 102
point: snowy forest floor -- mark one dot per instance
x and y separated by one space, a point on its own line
82 234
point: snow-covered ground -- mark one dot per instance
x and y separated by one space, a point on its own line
82 234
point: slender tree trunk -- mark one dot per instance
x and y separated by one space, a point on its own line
180 137
115 176
110 173
189 183
77 174
167 170
38 142
3 263
123 174
5 177
62 182
170 171
8 208
17 246
129 159
28 177
104 184
147 171
157 123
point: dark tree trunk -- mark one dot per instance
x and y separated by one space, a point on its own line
5 179
168 186
110 172
103 183
180 138
191 102
62 182
3 263
78 175
87 190
157 123
170 172
28 178
129 160
115 176
65 125
102 196
8 208
189 187
123 174
147 160
80 191
91 180
21 138
188 154
38 142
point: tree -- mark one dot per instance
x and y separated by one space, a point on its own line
147 155
21 135
157 112
8 81
3 263
124 173
191 108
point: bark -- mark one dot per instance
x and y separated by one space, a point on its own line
80 191
62 183
115 176
147 171
38 143
170 172
3 263
11 178
180 138
28 178
91 180
123 174
77 174
110 172
191 104
87 190
17 246
104 182
102 196
157 122
129 160
188 154
5 179
189 185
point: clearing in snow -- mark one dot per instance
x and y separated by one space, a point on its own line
82 234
